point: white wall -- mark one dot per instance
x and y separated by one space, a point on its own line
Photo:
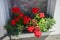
3 16
2 21
57 18
51 7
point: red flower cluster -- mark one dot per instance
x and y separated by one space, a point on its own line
21 14
13 22
26 20
15 9
36 30
17 18
41 15
30 28
35 10
37 33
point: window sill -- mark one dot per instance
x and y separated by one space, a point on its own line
26 35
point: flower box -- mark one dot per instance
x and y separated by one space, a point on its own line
21 22
28 35
30 20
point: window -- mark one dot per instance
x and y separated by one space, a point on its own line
46 6
26 5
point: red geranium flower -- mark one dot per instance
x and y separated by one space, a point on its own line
26 22
37 33
13 22
41 15
35 10
15 9
26 19
30 28
21 14
17 18
29 18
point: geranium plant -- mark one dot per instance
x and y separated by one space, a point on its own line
19 21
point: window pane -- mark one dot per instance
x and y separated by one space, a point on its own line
26 5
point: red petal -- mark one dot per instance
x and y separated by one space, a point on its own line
37 34
30 28
21 14
15 9
35 10
13 22
41 15
26 19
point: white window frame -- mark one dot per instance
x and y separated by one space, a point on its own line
51 7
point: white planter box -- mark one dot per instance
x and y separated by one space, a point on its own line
26 35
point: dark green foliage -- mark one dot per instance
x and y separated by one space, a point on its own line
14 30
